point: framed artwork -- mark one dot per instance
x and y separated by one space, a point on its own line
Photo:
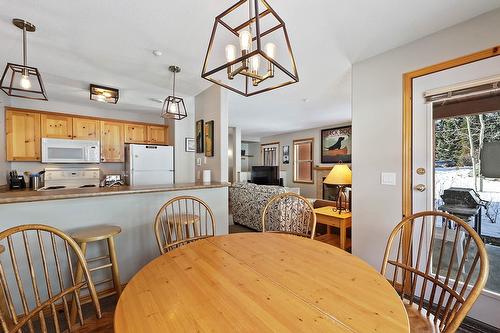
286 154
200 136
190 145
336 145
209 138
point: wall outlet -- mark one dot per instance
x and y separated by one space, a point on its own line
388 178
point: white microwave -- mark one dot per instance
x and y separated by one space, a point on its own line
70 151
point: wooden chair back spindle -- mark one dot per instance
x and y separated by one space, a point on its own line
37 279
289 213
439 267
182 220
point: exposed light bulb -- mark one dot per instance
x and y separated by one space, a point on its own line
172 108
245 40
270 50
255 62
25 82
230 52
101 98
106 94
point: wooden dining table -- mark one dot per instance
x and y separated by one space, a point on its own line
259 282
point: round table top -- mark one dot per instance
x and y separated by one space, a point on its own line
258 282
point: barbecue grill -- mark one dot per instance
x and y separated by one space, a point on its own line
464 203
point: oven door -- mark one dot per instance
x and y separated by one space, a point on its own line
69 151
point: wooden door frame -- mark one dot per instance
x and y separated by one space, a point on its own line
407 182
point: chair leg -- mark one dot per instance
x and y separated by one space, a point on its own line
78 278
114 266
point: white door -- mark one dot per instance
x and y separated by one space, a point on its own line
428 173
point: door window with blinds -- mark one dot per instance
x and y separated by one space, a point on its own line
303 161
270 154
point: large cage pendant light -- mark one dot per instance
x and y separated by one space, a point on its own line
22 80
263 60
174 107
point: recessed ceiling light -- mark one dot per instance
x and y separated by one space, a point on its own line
157 53
305 100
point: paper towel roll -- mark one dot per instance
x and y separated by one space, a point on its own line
206 176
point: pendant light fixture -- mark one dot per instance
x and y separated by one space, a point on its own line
173 107
22 80
264 60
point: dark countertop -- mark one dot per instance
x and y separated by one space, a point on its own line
15 196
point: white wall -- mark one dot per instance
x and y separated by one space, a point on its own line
4 165
234 154
179 130
307 190
212 104
377 125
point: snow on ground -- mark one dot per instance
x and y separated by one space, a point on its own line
462 177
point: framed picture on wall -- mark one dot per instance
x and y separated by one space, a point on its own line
286 154
209 138
336 145
200 136
190 145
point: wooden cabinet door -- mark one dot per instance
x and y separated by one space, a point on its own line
22 131
157 134
135 133
56 126
85 129
112 142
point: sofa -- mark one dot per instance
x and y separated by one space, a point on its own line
247 201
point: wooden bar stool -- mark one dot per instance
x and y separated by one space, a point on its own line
95 234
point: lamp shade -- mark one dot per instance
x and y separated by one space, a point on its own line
339 175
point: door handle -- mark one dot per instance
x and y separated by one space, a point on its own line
420 187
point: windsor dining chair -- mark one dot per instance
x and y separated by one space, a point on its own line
182 220
438 265
37 279
289 213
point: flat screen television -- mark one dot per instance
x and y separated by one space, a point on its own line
265 175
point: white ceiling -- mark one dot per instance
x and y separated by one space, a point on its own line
110 42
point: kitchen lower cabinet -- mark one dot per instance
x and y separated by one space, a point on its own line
112 141
22 131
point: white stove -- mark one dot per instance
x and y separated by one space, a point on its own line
69 178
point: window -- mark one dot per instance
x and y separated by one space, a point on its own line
303 161
270 154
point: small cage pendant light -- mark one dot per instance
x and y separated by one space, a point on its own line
22 80
174 107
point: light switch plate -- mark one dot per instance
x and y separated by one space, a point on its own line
198 161
388 178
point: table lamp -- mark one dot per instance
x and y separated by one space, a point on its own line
341 176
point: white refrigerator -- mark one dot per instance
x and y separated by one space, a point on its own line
149 164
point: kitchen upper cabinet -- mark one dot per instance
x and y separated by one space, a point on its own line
157 134
56 126
85 129
22 131
112 141
136 133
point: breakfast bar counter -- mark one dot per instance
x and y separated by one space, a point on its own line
15 196
133 209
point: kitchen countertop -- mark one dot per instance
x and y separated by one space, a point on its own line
15 196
